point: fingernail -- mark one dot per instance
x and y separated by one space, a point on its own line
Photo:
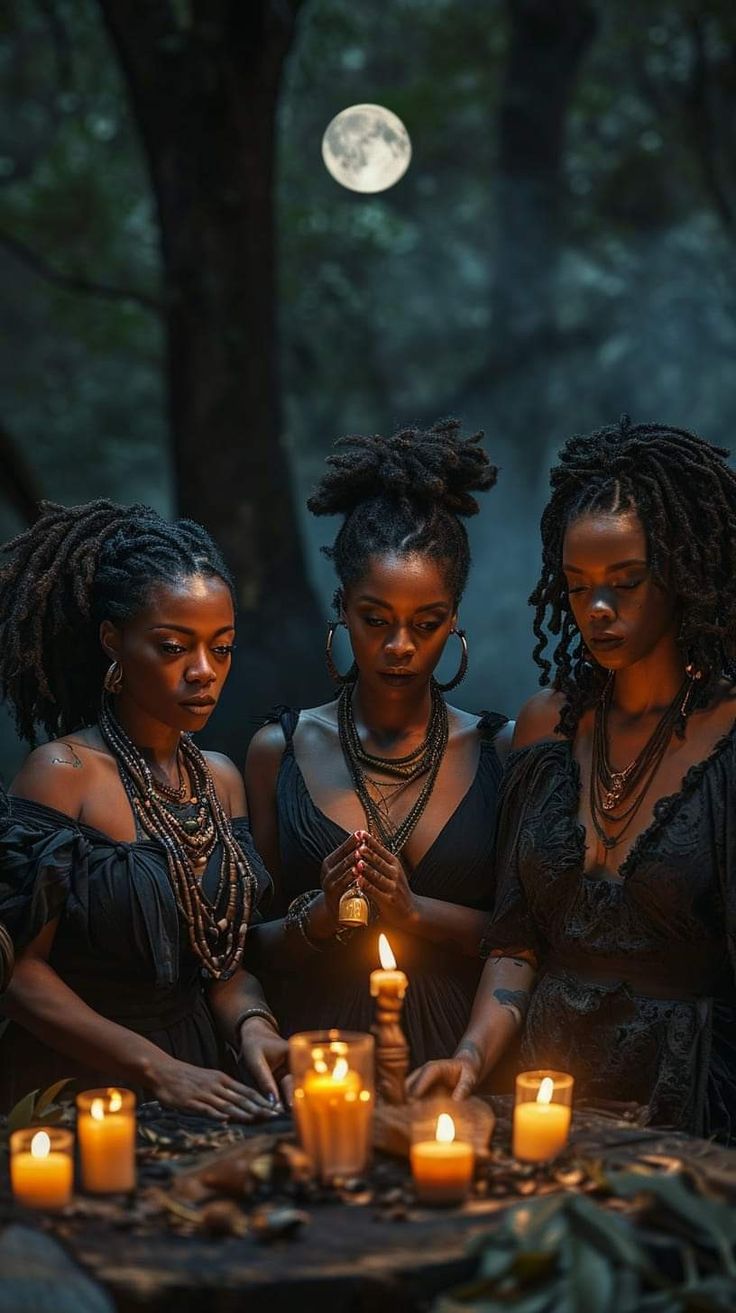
271 1097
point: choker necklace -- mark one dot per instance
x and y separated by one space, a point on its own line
217 926
423 760
616 796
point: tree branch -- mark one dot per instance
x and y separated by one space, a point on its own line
39 265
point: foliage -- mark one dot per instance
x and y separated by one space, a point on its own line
567 1253
37 1107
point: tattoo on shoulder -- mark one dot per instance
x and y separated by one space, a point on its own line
516 999
72 760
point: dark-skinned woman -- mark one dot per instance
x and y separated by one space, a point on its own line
127 872
617 844
387 788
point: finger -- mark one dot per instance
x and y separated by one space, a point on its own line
341 872
253 1108
287 1091
244 1094
374 845
465 1084
424 1079
264 1081
198 1105
345 849
378 863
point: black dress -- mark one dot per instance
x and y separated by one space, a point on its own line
121 943
332 988
635 994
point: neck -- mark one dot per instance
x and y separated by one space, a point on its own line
649 685
157 743
405 715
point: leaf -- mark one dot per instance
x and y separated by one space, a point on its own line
48 1097
22 1114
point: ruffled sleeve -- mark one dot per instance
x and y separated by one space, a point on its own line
39 849
264 883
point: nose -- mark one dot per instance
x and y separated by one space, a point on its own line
602 605
200 671
399 646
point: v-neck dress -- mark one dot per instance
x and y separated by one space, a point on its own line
121 944
332 988
635 994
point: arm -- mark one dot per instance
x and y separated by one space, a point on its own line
499 1008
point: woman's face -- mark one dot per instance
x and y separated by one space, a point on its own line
175 653
399 616
621 612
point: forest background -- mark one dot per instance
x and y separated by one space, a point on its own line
193 310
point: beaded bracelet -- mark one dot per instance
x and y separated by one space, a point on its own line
254 1012
297 915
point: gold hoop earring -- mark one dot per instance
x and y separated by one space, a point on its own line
113 681
462 668
332 670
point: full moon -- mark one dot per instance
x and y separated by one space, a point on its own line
366 148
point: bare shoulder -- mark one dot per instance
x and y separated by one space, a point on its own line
266 748
504 739
59 774
538 718
228 782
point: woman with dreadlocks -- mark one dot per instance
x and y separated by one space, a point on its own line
386 791
127 872
617 844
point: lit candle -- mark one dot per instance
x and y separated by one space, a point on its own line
541 1123
106 1134
388 982
333 1108
41 1167
443 1167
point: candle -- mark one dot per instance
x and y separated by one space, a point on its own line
388 982
41 1167
106 1133
541 1115
333 1101
442 1168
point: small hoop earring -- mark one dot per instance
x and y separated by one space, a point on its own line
332 670
113 681
462 668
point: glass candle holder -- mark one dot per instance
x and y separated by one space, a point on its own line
106 1134
442 1153
42 1166
542 1114
333 1099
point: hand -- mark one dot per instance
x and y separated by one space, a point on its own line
382 876
460 1074
337 874
264 1058
200 1089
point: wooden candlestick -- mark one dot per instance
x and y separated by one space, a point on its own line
388 987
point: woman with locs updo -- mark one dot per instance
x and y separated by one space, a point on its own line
386 788
616 853
127 872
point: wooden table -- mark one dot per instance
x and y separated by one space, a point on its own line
375 1255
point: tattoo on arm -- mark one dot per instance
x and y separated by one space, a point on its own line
75 762
516 1000
468 1046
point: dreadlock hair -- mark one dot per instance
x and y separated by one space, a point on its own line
77 566
685 496
404 494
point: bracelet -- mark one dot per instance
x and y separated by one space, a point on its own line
297 914
254 1012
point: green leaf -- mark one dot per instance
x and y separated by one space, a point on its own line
48 1097
22 1114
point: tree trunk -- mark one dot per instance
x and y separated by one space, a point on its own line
205 94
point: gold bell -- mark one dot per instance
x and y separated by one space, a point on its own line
353 908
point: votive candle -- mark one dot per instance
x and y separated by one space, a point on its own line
106 1133
542 1114
442 1168
42 1166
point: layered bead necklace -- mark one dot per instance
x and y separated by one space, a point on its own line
616 796
425 760
217 927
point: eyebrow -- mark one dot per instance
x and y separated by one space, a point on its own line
431 606
619 565
182 629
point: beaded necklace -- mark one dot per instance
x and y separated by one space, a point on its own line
217 927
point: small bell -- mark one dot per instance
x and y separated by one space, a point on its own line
354 909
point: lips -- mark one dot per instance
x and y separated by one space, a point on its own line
198 704
397 675
605 642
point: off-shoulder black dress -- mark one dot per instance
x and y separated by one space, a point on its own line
121 943
332 988
635 994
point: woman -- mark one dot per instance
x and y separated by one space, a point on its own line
127 872
617 848
387 787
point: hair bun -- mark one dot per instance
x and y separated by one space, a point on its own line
432 467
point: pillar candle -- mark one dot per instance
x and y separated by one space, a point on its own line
442 1168
41 1167
106 1133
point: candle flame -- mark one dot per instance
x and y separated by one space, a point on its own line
340 1069
388 961
40 1145
97 1110
445 1133
546 1090
116 1100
